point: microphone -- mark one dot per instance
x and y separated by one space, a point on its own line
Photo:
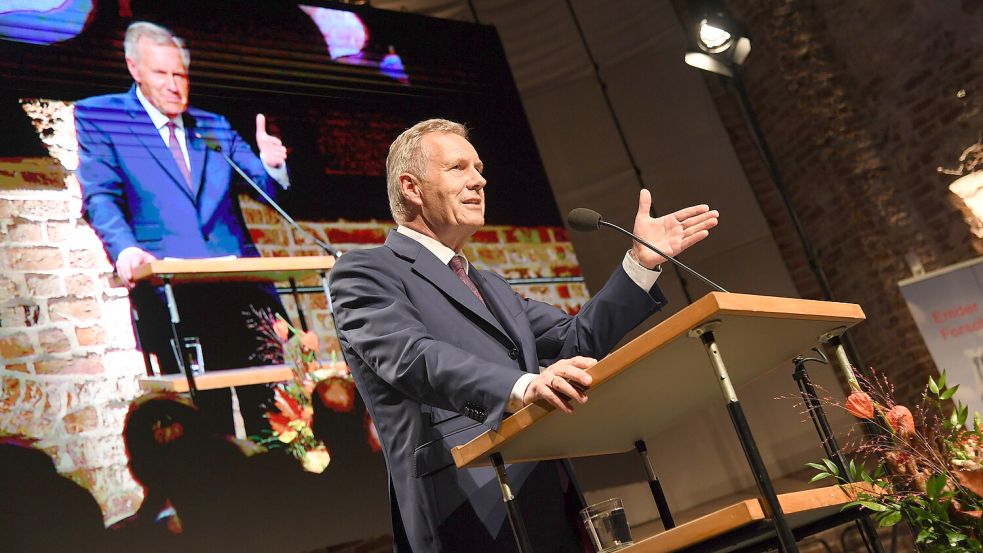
212 144
587 220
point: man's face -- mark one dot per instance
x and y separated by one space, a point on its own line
162 77
453 191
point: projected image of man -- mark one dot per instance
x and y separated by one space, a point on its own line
153 188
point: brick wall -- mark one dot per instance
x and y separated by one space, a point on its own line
69 367
861 103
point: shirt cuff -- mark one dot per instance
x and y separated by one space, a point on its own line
518 392
644 277
279 174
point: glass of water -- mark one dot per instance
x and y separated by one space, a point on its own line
607 525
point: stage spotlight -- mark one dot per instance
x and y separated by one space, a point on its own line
719 41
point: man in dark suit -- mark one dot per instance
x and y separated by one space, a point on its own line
442 352
152 188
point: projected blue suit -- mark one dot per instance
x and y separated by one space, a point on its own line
134 194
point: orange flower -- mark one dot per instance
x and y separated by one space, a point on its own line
901 421
282 329
860 405
313 365
337 394
309 341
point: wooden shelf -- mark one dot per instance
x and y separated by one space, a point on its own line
800 508
243 269
178 383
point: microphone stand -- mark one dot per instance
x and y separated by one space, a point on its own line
675 261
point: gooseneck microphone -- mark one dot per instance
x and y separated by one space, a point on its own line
587 220
214 146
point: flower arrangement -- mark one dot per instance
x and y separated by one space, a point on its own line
292 417
929 473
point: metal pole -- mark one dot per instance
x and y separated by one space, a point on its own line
765 487
519 531
176 345
660 497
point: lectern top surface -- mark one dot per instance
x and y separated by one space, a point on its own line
252 269
663 374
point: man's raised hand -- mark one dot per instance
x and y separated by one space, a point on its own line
271 149
671 233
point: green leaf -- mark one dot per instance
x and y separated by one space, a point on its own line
923 535
873 506
831 467
942 380
932 386
949 393
820 476
934 485
954 537
816 466
890 519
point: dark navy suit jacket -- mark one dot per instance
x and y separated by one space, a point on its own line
436 367
133 191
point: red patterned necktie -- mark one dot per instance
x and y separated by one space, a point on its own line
175 149
457 263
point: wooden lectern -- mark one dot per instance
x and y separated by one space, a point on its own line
168 272
643 386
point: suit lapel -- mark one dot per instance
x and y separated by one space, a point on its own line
145 131
496 303
427 266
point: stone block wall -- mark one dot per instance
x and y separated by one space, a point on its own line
861 103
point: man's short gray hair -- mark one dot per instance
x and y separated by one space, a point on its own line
407 155
154 33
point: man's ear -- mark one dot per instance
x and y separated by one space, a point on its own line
131 66
409 186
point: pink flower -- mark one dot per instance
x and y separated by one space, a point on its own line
860 405
901 420
282 329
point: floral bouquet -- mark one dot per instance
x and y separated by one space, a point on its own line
929 472
291 421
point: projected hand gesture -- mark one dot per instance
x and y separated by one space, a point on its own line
271 149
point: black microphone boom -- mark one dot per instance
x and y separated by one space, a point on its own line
588 220
213 145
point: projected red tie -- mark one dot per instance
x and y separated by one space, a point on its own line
175 149
457 263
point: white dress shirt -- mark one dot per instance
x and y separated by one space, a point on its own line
643 277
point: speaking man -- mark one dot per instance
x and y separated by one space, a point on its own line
441 351
153 186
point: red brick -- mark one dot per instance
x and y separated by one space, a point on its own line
40 209
81 420
43 286
16 345
61 231
88 259
268 235
33 259
8 289
73 309
90 335
80 285
560 234
24 231
54 340
11 394
259 215
77 365
20 315
373 235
